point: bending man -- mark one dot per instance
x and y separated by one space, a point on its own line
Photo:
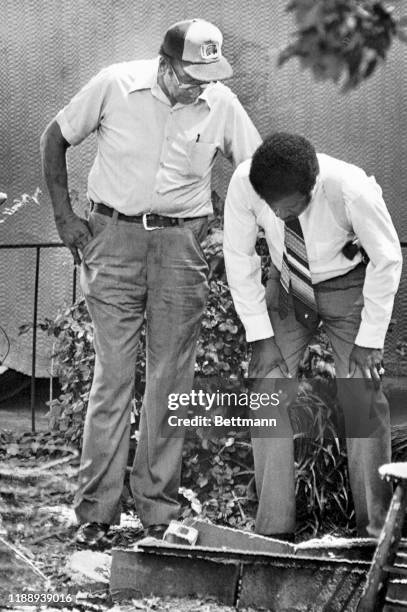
315 211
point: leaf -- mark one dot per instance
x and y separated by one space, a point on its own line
202 481
23 329
196 506
370 68
335 34
34 447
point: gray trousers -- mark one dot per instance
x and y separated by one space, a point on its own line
340 302
130 274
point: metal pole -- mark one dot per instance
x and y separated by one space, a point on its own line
74 284
34 344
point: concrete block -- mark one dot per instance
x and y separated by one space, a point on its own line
241 568
226 538
301 586
141 574
330 547
277 582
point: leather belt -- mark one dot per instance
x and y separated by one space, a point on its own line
150 221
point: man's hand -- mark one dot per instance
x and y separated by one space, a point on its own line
74 233
369 360
265 357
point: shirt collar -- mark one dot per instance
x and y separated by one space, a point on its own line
206 95
314 192
147 78
316 186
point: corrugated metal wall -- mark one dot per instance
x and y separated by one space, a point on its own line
49 48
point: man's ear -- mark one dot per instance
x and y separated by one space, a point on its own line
162 65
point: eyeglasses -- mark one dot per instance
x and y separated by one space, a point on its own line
186 86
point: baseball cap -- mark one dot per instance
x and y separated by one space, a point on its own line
198 43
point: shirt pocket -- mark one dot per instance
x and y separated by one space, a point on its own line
200 157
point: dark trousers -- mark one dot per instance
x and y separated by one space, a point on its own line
130 274
366 412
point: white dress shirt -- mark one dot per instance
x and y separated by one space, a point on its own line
151 156
345 204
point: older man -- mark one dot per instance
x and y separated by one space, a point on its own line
159 125
314 208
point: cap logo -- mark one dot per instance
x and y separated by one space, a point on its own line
210 51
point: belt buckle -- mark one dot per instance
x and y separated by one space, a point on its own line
145 223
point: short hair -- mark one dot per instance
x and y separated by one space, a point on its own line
284 164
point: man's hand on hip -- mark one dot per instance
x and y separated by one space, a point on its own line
266 356
74 233
369 360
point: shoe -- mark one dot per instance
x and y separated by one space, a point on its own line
155 531
127 537
92 535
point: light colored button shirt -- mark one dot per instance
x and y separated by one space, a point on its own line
151 156
345 204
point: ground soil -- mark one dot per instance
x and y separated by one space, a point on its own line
38 527
38 521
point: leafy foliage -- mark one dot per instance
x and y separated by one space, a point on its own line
18 204
40 446
342 39
75 360
322 482
220 472
222 345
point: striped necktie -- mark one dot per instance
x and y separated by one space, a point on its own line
296 277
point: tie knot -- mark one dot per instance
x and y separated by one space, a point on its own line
294 225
